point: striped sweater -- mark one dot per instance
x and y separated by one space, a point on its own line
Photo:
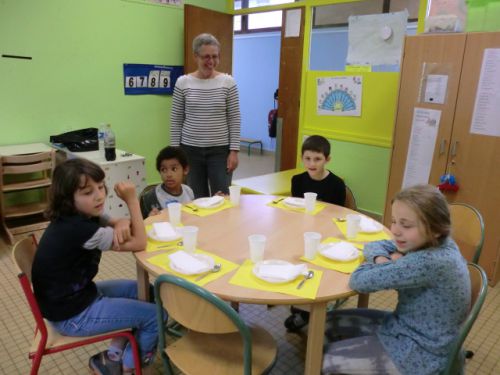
206 112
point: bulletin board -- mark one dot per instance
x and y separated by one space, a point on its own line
379 103
143 79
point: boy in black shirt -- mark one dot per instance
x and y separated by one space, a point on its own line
329 187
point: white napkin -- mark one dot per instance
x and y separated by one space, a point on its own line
297 202
164 230
187 263
340 251
368 225
209 202
282 271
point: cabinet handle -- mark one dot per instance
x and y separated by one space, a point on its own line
442 147
454 148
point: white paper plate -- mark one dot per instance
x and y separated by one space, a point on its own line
208 260
272 280
153 236
203 202
344 258
294 202
373 226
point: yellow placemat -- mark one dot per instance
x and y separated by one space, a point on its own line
153 245
344 267
227 266
362 237
244 277
279 204
190 208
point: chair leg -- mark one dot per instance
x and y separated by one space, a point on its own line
35 362
137 356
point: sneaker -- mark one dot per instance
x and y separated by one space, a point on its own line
100 364
297 320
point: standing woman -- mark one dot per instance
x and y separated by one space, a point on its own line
205 120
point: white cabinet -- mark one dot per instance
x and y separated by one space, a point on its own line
126 167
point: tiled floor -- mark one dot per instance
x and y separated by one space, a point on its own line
16 322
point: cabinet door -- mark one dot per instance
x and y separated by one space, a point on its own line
444 53
476 163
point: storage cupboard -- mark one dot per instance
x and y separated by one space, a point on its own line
454 64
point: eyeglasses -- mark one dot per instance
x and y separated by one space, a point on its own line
208 57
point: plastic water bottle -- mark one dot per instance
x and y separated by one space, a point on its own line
100 137
109 144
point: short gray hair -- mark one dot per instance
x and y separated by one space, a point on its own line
204 39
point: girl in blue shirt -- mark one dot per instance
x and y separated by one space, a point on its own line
424 265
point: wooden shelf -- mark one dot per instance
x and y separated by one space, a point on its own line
34 184
21 210
22 177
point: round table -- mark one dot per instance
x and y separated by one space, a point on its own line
225 233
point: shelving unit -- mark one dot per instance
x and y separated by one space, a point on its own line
25 178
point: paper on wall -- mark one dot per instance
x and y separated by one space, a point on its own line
424 129
376 39
486 115
435 88
339 96
292 25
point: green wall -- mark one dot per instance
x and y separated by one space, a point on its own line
75 78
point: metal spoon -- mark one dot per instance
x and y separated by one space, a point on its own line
276 201
216 268
307 276
341 219
170 246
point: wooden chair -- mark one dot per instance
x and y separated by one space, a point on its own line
467 230
479 286
350 201
47 340
217 340
22 212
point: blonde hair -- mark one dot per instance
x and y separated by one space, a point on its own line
203 40
431 209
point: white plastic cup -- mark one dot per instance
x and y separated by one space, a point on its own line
311 244
189 238
174 213
234 194
257 243
310 201
353 221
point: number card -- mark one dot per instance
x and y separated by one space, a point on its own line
141 79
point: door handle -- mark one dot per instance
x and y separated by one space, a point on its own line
454 148
442 147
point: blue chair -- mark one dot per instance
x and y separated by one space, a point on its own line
217 340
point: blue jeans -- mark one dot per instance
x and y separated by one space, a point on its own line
208 166
115 308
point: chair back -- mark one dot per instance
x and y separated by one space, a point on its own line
479 287
199 310
141 197
350 201
467 230
23 254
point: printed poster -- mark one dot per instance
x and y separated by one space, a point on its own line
339 96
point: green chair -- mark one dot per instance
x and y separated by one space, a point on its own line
217 340
479 286
467 230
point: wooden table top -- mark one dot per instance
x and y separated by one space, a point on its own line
225 234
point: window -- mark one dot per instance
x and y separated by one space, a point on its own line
263 21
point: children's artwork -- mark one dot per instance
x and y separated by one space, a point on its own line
339 96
